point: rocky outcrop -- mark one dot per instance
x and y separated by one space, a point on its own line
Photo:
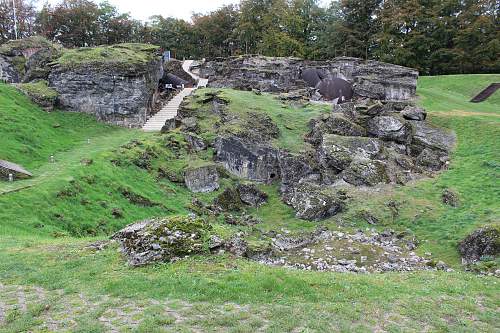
370 79
482 242
202 179
248 160
163 240
26 60
120 95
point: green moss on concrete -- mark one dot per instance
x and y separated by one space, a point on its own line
126 56
39 91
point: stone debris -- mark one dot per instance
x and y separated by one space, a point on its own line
362 252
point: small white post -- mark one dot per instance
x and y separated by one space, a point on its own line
11 177
88 141
52 159
15 17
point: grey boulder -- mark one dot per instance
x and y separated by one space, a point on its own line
314 202
203 178
391 129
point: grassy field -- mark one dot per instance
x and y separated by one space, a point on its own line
51 281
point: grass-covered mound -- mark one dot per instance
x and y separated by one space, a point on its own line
116 56
249 114
128 176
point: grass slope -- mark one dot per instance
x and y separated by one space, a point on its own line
226 294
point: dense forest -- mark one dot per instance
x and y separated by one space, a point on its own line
434 36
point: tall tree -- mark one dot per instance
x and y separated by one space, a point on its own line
25 18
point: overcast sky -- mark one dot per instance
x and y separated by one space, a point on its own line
143 9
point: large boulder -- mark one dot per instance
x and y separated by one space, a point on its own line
363 171
252 161
204 178
314 202
482 242
414 113
163 239
428 136
294 168
391 128
251 195
337 152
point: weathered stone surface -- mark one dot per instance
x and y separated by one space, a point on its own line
414 113
37 66
195 142
364 171
17 171
482 242
337 124
428 136
8 73
251 161
294 168
338 152
314 202
429 159
119 96
251 195
162 240
370 79
203 179
390 128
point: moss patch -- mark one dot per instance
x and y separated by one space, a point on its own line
127 56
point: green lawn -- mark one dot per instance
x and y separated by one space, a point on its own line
47 274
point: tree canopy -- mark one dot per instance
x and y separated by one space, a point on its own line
434 36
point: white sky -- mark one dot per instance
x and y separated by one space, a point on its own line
143 9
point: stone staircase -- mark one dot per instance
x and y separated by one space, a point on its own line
169 111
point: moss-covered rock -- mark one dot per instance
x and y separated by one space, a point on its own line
163 239
314 202
483 242
40 93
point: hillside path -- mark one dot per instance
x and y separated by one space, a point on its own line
169 111
67 161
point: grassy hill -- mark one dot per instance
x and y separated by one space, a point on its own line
46 222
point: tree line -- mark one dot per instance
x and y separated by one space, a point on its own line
434 36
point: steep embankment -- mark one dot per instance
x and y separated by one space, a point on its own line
78 194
